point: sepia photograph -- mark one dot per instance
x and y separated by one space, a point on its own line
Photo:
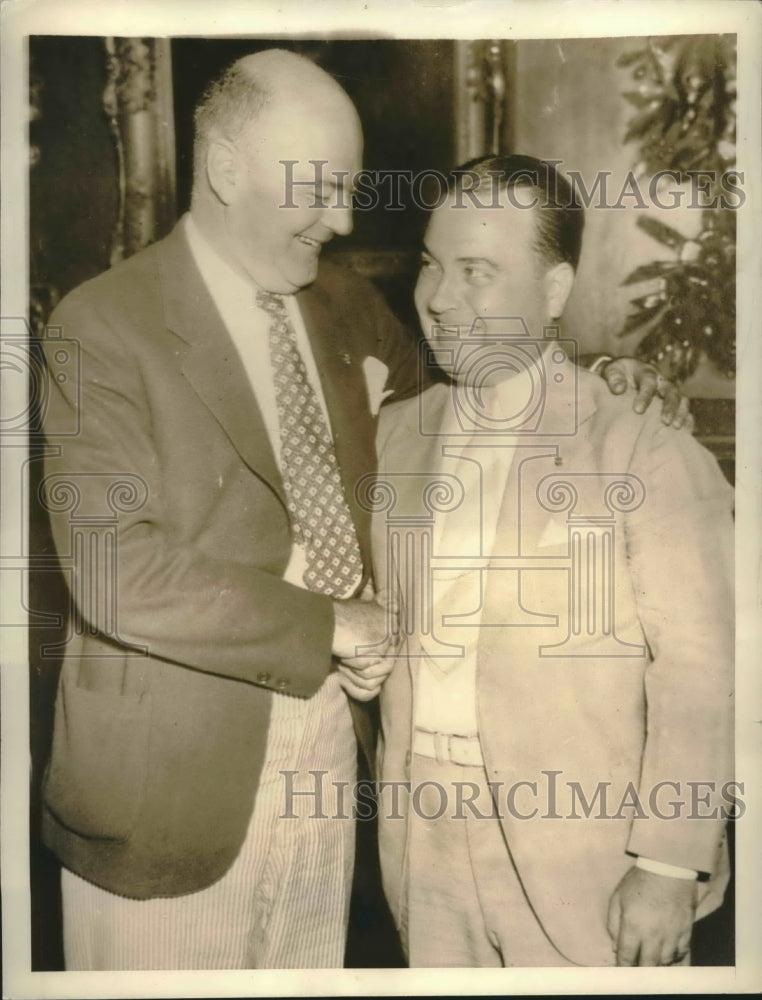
380 499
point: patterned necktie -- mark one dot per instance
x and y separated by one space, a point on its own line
322 523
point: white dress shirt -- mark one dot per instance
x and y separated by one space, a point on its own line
446 695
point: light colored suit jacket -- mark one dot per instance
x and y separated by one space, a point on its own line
617 703
169 501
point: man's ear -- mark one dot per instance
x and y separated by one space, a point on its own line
558 284
222 169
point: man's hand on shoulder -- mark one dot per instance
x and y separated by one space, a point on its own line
650 918
623 373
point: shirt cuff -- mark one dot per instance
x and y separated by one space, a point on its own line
595 367
671 871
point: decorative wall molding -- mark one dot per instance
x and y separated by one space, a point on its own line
138 102
483 86
43 296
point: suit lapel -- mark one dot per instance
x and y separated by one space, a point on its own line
408 458
211 363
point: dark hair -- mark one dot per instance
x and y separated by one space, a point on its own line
560 218
229 103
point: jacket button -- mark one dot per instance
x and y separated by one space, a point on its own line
263 678
283 683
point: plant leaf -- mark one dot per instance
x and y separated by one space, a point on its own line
640 318
647 271
628 58
638 99
661 232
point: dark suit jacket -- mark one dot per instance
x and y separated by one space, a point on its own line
184 623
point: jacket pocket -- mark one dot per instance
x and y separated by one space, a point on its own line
95 781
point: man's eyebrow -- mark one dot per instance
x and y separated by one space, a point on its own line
426 250
327 182
478 260
464 260
347 185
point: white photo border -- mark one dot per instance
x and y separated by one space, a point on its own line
390 19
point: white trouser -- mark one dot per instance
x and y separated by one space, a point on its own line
284 903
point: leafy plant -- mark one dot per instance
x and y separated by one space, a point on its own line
684 121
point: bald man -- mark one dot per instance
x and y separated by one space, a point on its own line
229 400
183 845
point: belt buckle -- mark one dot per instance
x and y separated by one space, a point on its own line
442 748
463 740
466 743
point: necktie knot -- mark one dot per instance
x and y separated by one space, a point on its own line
271 303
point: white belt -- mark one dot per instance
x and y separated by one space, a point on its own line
448 747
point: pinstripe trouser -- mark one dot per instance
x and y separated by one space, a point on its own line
284 903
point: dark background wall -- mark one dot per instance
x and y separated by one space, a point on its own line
73 195
73 187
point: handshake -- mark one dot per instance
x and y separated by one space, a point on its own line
361 623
